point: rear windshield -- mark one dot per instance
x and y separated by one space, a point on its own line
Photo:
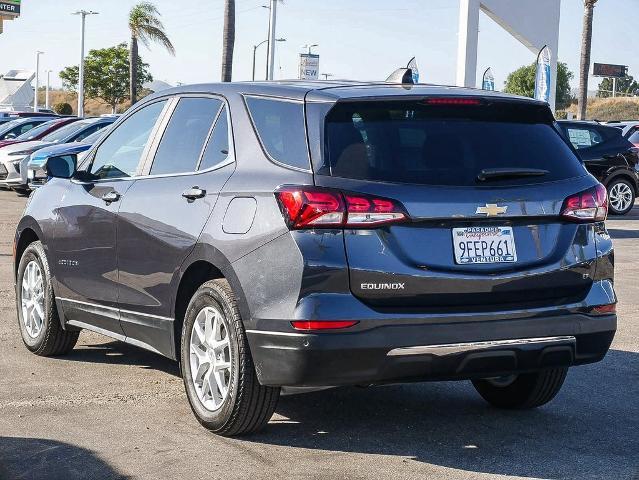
413 142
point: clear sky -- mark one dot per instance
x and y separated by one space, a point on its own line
358 39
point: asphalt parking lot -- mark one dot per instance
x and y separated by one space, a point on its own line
109 410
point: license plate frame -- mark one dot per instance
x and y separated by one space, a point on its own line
495 244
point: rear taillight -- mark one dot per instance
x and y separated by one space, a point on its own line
588 206
314 207
309 325
311 207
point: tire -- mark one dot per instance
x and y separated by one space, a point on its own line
525 391
50 338
621 196
22 192
247 406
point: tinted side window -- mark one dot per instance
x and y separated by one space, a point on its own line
584 137
88 131
634 136
184 137
217 150
280 128
120 153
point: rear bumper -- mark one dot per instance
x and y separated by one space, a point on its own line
419 352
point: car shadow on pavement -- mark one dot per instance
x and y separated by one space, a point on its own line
38 458
620 233
588 431
120 353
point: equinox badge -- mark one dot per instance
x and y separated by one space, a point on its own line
382 286
491 210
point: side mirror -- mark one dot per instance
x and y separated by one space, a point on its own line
63 166
10 136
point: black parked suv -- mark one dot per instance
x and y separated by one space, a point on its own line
313 234
611 158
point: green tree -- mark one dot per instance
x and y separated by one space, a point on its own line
522 82
63 108
626 86
106 75
145 26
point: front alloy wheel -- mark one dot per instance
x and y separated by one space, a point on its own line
40 326
32 299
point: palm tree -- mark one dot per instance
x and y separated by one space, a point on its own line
584 66
145 26
228 40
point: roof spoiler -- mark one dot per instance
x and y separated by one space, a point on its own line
408 75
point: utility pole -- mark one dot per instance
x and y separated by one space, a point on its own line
270 64
46 98
37 80
83 14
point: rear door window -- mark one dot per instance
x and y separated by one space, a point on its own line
184 137
634 136
280 127
584 137
217 149
413 142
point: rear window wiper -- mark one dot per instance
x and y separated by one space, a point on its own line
497 173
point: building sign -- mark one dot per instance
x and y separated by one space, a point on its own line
10 8
309 66
609 70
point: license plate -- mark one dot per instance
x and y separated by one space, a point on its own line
484 245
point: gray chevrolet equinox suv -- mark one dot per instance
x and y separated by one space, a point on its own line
314 234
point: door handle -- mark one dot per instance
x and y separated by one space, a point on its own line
193 193
111 196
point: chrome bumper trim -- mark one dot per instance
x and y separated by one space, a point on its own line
454 348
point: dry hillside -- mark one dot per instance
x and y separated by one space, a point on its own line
606 109
92 106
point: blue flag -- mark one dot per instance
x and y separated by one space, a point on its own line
542 77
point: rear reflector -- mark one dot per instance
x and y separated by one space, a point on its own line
452 101
604 309
588 206
315 207
322 325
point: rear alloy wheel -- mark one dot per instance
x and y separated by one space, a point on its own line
621 196
217 368
40 325
524 391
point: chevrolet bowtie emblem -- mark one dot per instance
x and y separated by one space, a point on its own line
491 210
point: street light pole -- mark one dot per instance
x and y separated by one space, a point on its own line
255 47
254 52
83 14
46 98
270 64
310 47
37 80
